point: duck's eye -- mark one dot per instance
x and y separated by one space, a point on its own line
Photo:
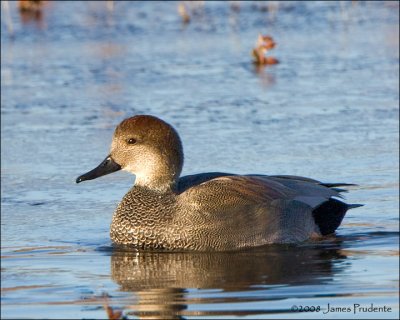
131 141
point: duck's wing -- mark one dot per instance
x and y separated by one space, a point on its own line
295 182
262 209
228 189
231 212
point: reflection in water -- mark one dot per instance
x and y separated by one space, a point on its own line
31 11
267 79
161 281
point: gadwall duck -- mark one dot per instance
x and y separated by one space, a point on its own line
208 211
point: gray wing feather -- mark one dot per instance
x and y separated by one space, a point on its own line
308 191
305 190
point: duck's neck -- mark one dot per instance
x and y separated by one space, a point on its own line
158 184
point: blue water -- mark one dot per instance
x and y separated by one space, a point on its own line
328 111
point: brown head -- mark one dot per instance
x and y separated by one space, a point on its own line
147 147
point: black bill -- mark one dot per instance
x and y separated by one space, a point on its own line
107 166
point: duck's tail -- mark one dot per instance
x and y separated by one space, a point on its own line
338 184
354 205
329 215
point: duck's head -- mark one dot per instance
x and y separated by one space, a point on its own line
147 147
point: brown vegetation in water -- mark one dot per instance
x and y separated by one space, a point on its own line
111 313
31 10
183 12
30 5
188 9
263 45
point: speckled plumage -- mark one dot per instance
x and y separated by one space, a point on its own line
210 211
